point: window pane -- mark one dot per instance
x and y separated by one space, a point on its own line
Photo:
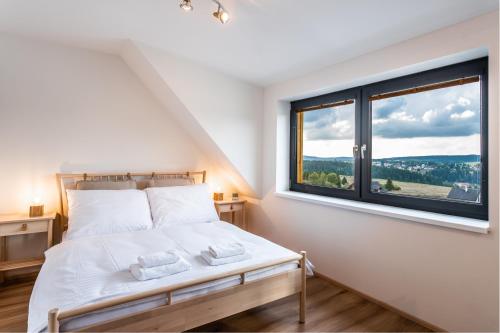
428 144
325 147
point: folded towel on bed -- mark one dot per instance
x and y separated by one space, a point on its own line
158 259
223 250
142 274
222 261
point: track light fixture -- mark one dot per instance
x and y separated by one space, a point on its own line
186 5
220 14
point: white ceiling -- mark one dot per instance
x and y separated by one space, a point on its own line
266 41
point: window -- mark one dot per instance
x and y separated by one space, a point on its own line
418 142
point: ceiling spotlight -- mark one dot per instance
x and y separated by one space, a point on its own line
186 5
221 14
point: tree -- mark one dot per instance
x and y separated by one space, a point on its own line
332 178
314 178
344 181
322 179
389 186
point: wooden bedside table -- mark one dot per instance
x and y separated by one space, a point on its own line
23 225
232 206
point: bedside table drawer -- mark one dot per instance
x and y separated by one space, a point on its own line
235 210
230 207
20 228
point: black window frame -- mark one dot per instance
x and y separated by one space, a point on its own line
363 122
354 94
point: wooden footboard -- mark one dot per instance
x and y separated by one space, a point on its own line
200 310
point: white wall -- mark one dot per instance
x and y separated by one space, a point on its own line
69 110
444 276
223 113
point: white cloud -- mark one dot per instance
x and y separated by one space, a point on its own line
380 121
383 147
462 101
330 123
449 107
343 126
423 146
328 148
428 115
450 112
464 115
403 116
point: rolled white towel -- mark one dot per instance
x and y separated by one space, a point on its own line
224 250
142 274
158 259
222 261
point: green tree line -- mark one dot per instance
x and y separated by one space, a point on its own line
443 174
331 179
339 167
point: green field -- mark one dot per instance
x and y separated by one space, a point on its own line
418 190
350 180
407 188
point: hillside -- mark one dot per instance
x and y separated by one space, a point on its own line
315 158
430 158
435 158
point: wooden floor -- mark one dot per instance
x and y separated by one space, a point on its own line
329 309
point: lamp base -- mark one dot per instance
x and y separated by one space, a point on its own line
36 211
218 196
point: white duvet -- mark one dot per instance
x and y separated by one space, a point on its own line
87 270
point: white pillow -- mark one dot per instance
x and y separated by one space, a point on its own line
98 212
181 204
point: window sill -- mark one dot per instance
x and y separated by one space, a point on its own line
447 221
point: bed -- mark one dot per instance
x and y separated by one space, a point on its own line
85 285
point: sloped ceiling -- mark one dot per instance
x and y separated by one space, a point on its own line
222 114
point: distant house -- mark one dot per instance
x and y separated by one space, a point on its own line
376 187
463 186
464 194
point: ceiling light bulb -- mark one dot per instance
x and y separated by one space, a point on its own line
221 15
224 17
186 5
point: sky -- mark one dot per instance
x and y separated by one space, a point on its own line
437 122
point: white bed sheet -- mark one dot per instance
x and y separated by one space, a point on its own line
88 270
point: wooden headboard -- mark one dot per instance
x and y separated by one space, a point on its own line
67 181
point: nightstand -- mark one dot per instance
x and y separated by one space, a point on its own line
235 207
23 225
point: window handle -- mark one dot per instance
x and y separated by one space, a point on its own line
355 150
363 149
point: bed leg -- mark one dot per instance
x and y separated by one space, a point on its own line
53 326
302 309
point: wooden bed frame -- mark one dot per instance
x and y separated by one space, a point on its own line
192 312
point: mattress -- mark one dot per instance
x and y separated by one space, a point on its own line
88 270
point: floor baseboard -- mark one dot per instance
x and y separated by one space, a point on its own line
380 303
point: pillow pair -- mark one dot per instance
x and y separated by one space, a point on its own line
97 212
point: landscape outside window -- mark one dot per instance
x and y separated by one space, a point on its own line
428 144
328 142
424 145
418 141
